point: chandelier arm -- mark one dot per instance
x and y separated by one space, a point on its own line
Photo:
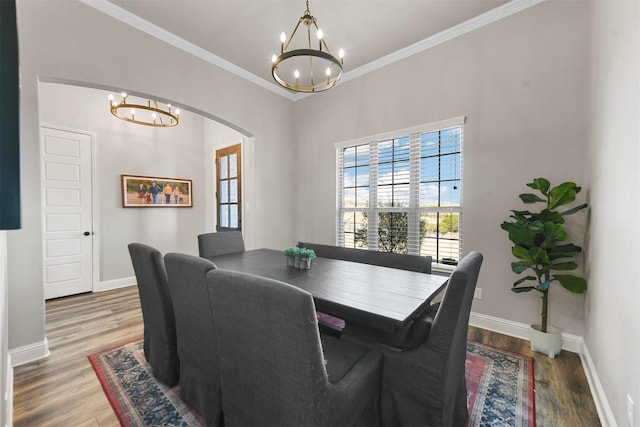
291 38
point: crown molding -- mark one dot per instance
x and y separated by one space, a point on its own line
122 15
160 33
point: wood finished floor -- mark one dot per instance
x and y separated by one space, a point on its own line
63 390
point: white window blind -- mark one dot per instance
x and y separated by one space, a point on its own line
402 191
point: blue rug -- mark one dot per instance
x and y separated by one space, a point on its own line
500 389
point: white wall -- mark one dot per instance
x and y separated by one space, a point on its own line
70 42
6 371
521 82
127 148
612 331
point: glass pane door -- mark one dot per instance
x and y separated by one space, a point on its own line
228 188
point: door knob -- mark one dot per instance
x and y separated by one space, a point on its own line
86 233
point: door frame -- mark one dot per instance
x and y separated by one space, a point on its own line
95 199
239 177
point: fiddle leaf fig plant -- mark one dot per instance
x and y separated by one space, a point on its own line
539 242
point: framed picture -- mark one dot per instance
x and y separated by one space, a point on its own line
155 192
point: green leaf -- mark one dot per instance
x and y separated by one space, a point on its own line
520 266
530 198
562 194
524 279
522 289
522 217
519 234
569 249
551 216
536 226
540 184
574 210
564 266
572 283
521 253
543 286
554 233
538 255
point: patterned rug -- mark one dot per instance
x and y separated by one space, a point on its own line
500 387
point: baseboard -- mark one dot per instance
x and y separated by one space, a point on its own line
29 353
109 285
599 397
570 342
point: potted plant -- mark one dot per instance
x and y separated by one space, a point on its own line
291 254
306 255
540 246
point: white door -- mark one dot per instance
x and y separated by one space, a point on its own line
67 215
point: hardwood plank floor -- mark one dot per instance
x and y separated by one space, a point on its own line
63 390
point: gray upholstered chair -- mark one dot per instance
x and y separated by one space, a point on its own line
276 368
417 263
157 313
197 348
425 385
224 242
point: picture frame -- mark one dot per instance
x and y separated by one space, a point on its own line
138 192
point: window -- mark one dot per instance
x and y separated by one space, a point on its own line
401 192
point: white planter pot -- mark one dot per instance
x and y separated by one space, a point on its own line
549 343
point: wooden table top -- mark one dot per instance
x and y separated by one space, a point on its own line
380 297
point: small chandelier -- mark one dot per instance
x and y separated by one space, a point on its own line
151 114
305 69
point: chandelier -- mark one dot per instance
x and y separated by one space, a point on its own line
304 69
151 114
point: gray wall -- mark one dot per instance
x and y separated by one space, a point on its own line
71 42
612 330
524 93
125 148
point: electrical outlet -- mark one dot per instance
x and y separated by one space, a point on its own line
478 293
630 412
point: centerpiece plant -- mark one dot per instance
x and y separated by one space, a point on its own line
539 242
299 257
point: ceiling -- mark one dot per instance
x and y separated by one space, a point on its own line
242 35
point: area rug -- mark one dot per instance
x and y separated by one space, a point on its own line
500 389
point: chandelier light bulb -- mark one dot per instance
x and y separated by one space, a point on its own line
341 53
124 95
301 56
177 112
110 97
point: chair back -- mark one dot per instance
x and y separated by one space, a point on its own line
447 340
407 262
221 243
271 360
426 385
197 347
157 313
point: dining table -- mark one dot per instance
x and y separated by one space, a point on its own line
382 298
